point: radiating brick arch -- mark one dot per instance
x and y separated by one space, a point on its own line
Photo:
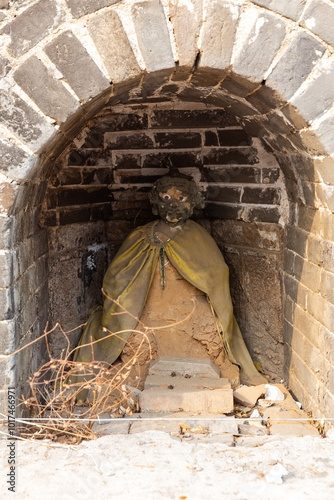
268 63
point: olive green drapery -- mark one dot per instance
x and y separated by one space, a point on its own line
196 256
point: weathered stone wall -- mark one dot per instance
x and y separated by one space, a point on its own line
269 63
105 175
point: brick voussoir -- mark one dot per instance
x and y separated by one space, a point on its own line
321 15
52 98
32 25
80 8
24 122
152 35
15 163
268 31
291 70
86 78
218 34
112 43
293 10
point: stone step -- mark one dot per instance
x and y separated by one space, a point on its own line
168 382
214 401
183 366
210 422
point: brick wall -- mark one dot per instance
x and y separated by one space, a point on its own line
125 150
98 193
283 95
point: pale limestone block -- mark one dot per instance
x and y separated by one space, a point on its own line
319 18
218 34
248 396
288 8
112 43
317 98
187 18
215 401
295 64
153 35
259 37
324 130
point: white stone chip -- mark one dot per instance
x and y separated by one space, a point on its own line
273 393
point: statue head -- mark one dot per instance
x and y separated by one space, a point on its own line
174 198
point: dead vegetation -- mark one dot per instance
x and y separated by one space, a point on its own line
65 412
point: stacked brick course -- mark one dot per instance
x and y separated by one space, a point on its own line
126 149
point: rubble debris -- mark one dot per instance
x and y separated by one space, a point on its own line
273 393
248 395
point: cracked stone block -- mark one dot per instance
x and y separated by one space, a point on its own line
213 401
285 7
79 8
51 97
114 47
318 97
152 34
295 65
248 396
187 20
259 36
219 34
24 122
319 18
86 78
181 366
15 163
36 22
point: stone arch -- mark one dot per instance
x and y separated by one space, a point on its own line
283 99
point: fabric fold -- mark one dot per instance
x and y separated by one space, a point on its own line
196 256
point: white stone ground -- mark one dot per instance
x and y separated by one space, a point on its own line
153 465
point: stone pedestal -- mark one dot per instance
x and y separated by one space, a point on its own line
186 384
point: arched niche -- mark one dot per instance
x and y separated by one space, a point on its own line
221 64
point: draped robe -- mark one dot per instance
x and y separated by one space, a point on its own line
196 256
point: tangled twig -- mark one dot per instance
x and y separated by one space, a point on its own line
54 401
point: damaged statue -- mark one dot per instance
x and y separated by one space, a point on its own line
190 249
